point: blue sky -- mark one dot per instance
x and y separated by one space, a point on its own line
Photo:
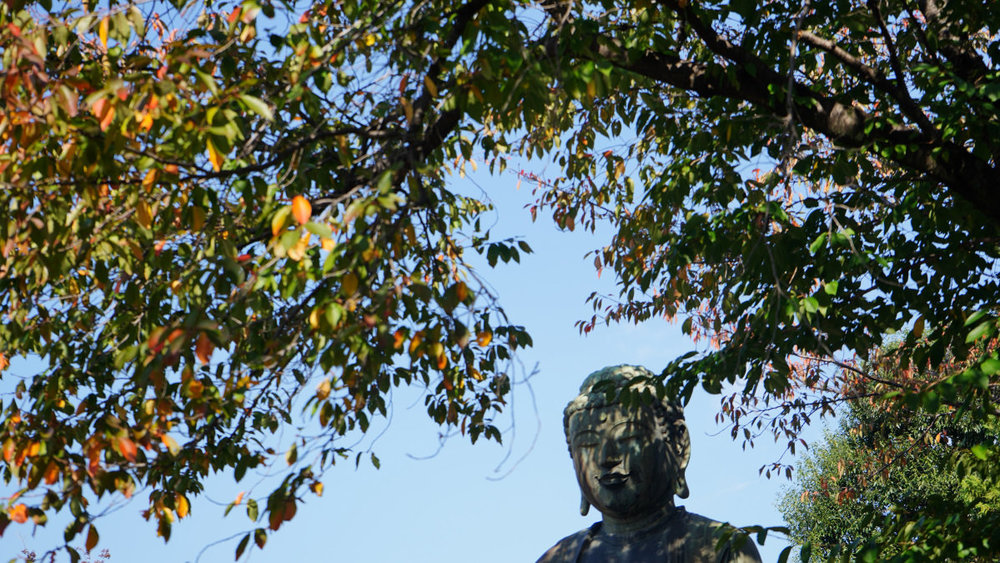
486 503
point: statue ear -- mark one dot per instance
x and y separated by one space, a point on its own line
584 505
681 444
681 450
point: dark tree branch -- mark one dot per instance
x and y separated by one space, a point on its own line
752 81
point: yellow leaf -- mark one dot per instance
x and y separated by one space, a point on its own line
323 389
349 284
280 220
214 155
181 505
369 40
150 178
172 446
301 209
317 488
328 244
431 87
298 252
102 31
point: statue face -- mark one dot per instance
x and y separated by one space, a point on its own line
620 461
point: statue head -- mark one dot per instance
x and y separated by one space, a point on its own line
629 454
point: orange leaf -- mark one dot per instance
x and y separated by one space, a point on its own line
93 460
51 473
4 362
484 338
19 513
182 506
203 349
146 123
239 497
127 448
104 111
214 155
301 209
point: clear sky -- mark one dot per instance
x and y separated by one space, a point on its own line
484 503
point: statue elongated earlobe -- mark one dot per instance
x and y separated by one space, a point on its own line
681 486
584 505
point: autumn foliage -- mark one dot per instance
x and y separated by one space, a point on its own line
213 225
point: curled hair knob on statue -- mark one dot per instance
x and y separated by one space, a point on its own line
630 449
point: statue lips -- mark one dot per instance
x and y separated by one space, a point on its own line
613 480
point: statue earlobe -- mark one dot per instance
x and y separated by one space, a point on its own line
681 486
584 505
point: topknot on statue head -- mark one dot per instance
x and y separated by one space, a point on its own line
635 386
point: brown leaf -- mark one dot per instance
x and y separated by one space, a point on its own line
203 349
92 538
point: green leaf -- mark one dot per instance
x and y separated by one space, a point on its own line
990 366
257 106
242 546
319 229
985 329
252 511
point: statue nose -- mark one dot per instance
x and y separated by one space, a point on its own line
610 455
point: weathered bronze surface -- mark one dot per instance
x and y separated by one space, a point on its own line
630 457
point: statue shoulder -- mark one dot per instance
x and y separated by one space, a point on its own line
703 535
567 550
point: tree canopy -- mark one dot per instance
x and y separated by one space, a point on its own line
879 464
220 211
